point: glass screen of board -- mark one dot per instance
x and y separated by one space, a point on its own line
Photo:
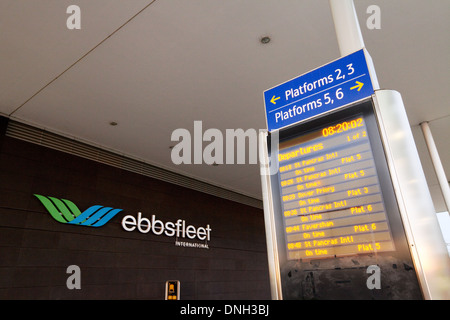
331 196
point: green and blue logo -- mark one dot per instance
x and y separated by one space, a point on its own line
66 211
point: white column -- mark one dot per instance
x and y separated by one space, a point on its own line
440 173
347 27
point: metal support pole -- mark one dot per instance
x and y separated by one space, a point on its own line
349 34
426 243
440 173
347 27
272 251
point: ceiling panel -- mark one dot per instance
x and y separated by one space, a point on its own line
180 61
36 45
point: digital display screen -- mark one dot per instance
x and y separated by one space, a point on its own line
331 198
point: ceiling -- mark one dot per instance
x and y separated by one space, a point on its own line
155 66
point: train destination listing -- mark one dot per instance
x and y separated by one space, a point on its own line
331 197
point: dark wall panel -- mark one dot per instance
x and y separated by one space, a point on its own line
35 250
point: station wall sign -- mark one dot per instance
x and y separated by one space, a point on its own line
66 212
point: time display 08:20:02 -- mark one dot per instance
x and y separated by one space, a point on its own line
342 127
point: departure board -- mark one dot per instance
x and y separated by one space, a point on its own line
331 198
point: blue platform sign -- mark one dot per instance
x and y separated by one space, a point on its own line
327 88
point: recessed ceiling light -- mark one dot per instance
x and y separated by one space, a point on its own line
113 123
265 40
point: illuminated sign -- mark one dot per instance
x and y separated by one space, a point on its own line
331 198
172 290
331 210
332 213
336 84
